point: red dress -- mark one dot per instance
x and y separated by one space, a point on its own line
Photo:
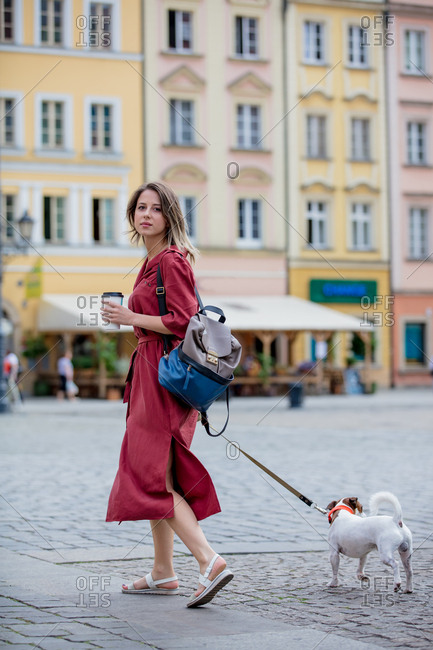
155 419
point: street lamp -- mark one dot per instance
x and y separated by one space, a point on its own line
25 226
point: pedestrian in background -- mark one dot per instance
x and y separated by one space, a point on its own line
11 369
65 368
159 478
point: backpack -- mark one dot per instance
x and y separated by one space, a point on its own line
200 369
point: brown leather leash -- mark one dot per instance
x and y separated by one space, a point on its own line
279 480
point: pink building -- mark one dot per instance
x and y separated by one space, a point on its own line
410 110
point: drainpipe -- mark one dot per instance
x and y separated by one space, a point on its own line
284 7
387 104
143 90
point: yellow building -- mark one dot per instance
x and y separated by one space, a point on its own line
337 168
71 92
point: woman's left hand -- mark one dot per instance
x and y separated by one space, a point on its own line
115 313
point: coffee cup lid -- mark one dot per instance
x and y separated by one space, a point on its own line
112 293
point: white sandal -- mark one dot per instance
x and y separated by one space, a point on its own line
152 587
211 586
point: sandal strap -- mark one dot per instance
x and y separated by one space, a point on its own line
203 578
151 583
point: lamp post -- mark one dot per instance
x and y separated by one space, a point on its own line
25 226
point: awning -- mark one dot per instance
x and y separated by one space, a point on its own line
285 314
63 312
72 313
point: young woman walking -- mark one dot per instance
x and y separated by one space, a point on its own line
159 478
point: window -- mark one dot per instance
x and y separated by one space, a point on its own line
357 46
314 42
6 21
415 344
100 25
54 219
360 139
246 37
361 226
101 127
180 31
316 223
103 225
414 51
316 136
52 125
8 213
248 126
416 143
249 223
188 207
7 124
51 22
418 233
181 122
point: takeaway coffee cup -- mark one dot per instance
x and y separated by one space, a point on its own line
113 296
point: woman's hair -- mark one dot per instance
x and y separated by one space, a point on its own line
177 227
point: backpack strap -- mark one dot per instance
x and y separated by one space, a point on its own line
160 294
205 422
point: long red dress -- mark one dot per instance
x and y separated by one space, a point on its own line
155 419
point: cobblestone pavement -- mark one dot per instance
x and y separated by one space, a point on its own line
58 462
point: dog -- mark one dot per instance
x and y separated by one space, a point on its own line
356 536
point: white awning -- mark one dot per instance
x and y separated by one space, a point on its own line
67 312
63 312
283 313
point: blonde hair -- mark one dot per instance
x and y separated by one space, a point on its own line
177 227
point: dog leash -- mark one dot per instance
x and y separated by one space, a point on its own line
279 480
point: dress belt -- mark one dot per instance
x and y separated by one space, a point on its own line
154 336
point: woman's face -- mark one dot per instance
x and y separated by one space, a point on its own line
148 218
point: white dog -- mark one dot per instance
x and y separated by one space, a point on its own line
356 536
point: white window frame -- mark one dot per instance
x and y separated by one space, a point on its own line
9 237
357 46
87 35
18 122
316 136
308 37
103 214
317 216
418 238
180 31
416 155
361 226
248 240
412 65
67 27
242 49
50 28
116 104
54 223
68 121
188 205
248 126
360 139
181 124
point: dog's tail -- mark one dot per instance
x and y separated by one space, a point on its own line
386 497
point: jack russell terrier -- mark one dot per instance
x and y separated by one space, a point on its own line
357 536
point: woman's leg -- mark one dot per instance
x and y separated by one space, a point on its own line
184 523
163 536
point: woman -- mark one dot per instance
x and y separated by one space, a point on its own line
159 478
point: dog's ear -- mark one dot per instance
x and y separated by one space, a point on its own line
331 505
353 502
359 507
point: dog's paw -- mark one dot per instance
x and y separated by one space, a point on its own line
408 591
397 587
363 577
333 583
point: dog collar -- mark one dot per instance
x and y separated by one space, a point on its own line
342 506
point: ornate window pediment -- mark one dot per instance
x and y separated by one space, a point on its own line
184 174
253 176
183 78
249 85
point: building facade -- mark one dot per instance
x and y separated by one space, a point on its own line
410 111
337 173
